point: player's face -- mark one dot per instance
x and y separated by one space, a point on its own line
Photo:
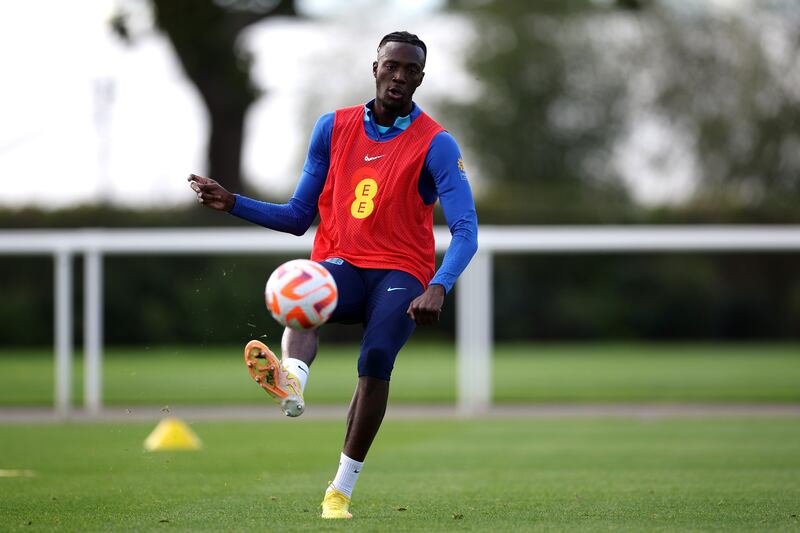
398 72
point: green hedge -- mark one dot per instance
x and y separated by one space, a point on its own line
215 299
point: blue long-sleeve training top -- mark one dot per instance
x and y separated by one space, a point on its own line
442 177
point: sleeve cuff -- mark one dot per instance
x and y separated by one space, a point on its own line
439 280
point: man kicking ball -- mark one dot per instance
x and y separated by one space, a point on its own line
373 173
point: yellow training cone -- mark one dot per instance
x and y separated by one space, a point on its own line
172 434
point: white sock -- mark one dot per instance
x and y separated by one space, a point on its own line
347 475
299 369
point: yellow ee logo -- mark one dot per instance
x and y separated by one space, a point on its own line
363 205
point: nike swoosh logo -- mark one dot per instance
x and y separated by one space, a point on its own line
390 289
368 158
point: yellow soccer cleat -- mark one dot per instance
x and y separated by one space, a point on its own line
335 505
269 373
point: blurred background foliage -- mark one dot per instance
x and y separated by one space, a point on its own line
580 99
205 37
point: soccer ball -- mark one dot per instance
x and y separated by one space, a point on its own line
301 294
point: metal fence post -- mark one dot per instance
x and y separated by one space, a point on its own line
474 336
93 331
62 377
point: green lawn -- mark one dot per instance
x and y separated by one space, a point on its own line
426 373
495 475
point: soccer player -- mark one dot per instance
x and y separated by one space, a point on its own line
373 173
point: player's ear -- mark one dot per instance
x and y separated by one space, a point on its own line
375 69
421 77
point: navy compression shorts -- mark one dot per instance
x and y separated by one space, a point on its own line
378 299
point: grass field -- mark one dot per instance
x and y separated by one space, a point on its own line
498 475
433 475
425 373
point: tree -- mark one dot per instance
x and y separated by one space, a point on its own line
204 34
729 83
567 84
548 116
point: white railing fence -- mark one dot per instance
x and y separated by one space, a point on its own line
474 295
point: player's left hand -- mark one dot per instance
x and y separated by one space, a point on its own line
426 308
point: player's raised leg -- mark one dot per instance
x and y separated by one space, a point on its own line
299 349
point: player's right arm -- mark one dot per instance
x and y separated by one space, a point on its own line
293 217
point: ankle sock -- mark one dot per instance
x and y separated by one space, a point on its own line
347 475
298 368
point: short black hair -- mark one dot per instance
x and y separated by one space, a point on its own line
404 37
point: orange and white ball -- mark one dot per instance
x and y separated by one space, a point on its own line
301 294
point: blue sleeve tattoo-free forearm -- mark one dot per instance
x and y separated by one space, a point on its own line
296 216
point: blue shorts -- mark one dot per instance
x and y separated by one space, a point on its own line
378 299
